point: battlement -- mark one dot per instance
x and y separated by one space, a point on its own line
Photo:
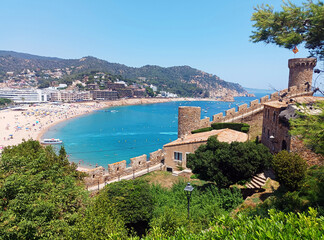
302 62
301 71
119 169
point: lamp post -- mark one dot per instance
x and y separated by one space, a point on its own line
188 190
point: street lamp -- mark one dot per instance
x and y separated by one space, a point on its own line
188 190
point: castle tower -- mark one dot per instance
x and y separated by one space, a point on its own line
188 120
301 71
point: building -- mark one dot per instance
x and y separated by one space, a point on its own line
23 95
93 86
115 86
104 95
139 92
176 152
275 126
70 96
122 93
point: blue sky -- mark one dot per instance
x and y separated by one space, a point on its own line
210 35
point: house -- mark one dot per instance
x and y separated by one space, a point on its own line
275 126
176 152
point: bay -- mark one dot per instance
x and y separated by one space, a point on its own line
120 133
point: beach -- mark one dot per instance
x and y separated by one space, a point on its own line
32 121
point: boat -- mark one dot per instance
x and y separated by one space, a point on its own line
51 141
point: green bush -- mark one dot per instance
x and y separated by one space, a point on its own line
207 129
290 169
242 127
278 226
226 164
207 201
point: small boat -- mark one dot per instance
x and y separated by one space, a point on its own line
51 141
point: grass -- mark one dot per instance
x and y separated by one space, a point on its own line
166 179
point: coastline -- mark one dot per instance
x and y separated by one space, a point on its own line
32 122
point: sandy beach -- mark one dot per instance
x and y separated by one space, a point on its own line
34 120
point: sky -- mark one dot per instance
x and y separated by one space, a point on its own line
209 35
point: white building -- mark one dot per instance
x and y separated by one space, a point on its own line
23 95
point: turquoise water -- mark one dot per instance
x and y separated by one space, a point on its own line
119 133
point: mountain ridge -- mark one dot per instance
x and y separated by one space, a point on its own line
165 78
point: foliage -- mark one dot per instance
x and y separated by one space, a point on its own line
5 101
207 129
291 26
149 92
98 221
290 169
40 192
310 194
132 201
278 226
310 126
207 201
242 127
226 164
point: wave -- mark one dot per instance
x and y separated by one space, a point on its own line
168 133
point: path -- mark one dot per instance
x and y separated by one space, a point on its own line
127 177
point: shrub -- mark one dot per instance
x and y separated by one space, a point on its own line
207 129
226 164
242 127
290 169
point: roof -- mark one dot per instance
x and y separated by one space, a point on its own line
223 135
284 103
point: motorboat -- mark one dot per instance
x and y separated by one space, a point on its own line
51 141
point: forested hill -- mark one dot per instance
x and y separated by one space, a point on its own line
169 79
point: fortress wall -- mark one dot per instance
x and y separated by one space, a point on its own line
157 156
188 120
205 123
254 103
264 99
217 117
274 96
116 168
242 108
138 162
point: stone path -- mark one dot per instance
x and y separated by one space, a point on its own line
127 177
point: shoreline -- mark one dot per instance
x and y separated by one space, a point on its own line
33 121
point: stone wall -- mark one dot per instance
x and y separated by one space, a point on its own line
119 169
157 156
138 162
188 120
301 71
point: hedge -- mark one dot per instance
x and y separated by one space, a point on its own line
242 127
207 129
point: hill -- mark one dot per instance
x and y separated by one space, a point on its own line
182 80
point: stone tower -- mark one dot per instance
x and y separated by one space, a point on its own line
188 120
301 71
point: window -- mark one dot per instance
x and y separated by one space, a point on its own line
178 156
268 133
274 117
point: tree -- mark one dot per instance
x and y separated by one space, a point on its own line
226 164
310 127
5 101
291 26
40 193
149 91
132 201
290 169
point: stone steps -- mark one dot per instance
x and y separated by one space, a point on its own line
257 181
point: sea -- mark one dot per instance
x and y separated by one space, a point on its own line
120 133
